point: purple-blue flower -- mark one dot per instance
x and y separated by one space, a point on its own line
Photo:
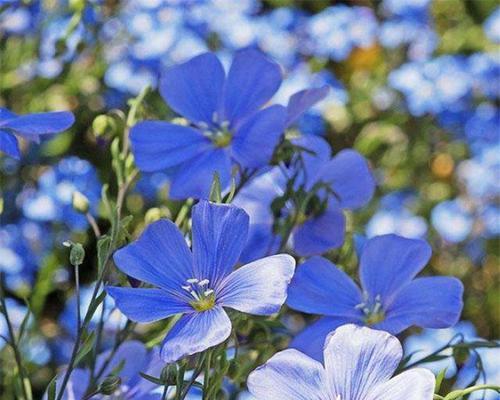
29 127
227 126
390 297
200 283
322 188
358 365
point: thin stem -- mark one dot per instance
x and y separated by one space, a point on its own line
206 377
164 394
93 224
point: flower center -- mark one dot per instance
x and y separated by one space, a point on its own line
372 310
220 135
203 296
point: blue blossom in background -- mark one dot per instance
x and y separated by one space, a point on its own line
452 220
358 365
337 30
395 216
492 26
390 298
52 201
200 283
30 127
135 359
18 17
320 192
228 127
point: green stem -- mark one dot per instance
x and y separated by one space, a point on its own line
206 377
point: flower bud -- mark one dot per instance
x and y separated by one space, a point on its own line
103 125
110 385
80 202
169 375
76 254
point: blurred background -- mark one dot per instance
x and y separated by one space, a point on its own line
415 88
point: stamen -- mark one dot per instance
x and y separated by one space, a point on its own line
208 292
192 280
204 282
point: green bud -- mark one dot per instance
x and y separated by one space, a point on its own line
76 254
80 202
154 214
1 205
77 5
110 384
169 375
103 125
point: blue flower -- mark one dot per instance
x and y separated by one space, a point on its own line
358 365
199 284
452 220
134 358
390 297
29 127
227 129
332 185
492 26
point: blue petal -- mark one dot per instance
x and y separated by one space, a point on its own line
289 375
312 339
219 235
261 242
77 384
389 262
196 332
434 302
148 305
253 144
160 256
194 178
319 287
41 123
132 355
301 101
259 287
316 152
357 359
321 233
5 115
9 144
252 81
351 178
194 88
415 384
159 145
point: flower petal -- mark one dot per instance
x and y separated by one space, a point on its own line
40 123
351 178
311 340
415 384
252 80
316 152
194 178
160 256
319 287
301 101
147 305
359 358
434 302
9 144
194 89
321 233
389 262
259 287
196 332
253 144
219 235
158 145
261 242
289 375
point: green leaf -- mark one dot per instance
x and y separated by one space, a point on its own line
103 248
88 344
93 307
51 389
215 190
439 380
150 378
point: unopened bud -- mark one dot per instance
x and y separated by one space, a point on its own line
154 214
103 125
80 202
110 385
169 375
76 254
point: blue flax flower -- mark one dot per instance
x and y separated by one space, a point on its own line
358 365
30 127
390 299
227 125
200 283
321 188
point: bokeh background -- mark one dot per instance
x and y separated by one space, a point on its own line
415 88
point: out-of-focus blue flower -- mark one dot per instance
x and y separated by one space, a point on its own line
409 23
52 200
485 68
149 185
492 26
19 18
17 312
22 248
134 358
228 127
337 30
395 216
433 86
200 283
30 127
322 187
358 364
390 298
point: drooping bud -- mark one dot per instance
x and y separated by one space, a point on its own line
103 125
80 202
110 384
76 254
